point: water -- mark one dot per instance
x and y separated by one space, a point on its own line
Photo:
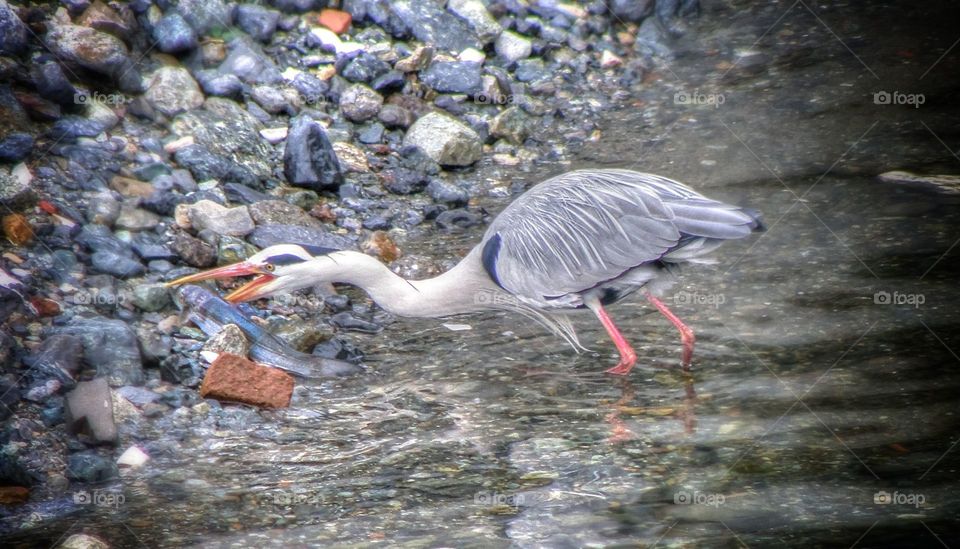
822 406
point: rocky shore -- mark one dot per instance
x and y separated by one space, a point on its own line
141 141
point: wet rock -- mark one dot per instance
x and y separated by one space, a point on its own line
359 103
228 130
15 147
150 297
99 238
118 265
208 215
173 34
475 14
512 47
223 85
417 61
447 193
633 11
205 15
193 251
103 209
269 235
257 21
13 33
247 61
83 541
278 212
395 116
15 189
132 458
273 100
204 165
365 68
130 187
351 157
453 77
172 90
529 70
89 48
17 229
403 181
298 6
110 346
89 410
245 195
91 468
149 248
312 90
445 140
132 218
433 25
58 357
347 321
69 128
512 124
389 81
52 84
372 134
336 20
234 378
104 18
308 157
229 339
138 396
459 218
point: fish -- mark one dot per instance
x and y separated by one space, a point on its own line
210 313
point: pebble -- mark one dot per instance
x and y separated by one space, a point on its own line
193 251
83 541
235 379
90 467
512 124
278 212
475 14
173 90
418 60
150 297
268 235
447 193
444 139
205 15
208 215
204 165
257 21
453 77
359 103
272 99
15 189
336 20
309 160
133 457
365 68
15 147
229 339
431 24
13 33
89 410
132 218
58 357
17 229
91 49
173 34
512 47
351 157
395 117
222 85
458 218
118 265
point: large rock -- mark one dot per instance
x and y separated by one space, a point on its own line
94 50
431 24
205 15
634 11
110 346
308 157
173 34
247 61
445 140
257 21
58 357
454 77
228 130
13 33
89 410
207 214
475 13
276 212
359 103
205 165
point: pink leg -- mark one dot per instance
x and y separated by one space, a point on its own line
627 357
686 334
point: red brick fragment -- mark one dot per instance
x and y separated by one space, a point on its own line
336 20
13 495
234 378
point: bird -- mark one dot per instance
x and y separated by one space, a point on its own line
579 241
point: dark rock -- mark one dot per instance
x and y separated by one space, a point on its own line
222 85
194 251
244 195
269 235
458 218
89 48
389 81
359 103
70 128
372 134
89 410
15 147
347 321
312 90
298 6
447 193
118 265
99 238
257 21
337 348
403 181
205 15
205 165
376 223
173 34
163 202
13 33
454 77
228 130
52 84
248 61
634 11
138 396
529 70
309 160
148 247
58 357
433 25
110 346
9 397
395 116
91 468
365 68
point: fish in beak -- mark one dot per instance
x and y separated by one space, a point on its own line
249 291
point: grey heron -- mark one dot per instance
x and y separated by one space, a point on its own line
581 240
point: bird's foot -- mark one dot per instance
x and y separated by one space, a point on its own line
626 364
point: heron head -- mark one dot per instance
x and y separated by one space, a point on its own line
277 269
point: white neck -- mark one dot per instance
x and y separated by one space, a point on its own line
462 289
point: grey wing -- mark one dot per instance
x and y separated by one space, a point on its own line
582 228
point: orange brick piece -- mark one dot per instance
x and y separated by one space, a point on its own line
335 20
237 379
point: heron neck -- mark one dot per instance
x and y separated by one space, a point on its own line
453 292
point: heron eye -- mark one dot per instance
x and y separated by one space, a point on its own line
269 267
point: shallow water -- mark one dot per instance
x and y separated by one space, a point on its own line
825 377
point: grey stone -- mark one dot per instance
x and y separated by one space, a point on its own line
444 139
430 24
278 212
110 346
13 33
512 124
150 297
228 130
205 15
193 251
257 21
229 339
91 468
208 215
118 265
205 165
89 410
447 193
309 160
454 77
269 235
475 14
359 103
512 47
172 90
174 35
395 116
